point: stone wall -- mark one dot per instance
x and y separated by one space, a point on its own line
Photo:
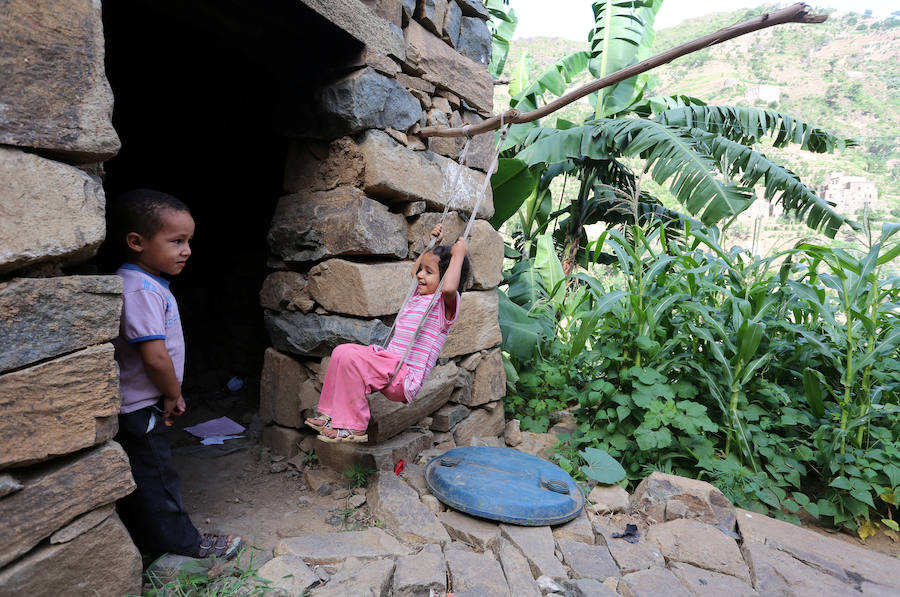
361 199
60 473
362 189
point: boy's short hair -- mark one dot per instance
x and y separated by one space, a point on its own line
139 211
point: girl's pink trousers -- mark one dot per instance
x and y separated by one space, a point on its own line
353 372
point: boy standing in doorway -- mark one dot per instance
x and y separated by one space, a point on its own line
156 230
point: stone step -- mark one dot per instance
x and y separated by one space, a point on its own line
381 456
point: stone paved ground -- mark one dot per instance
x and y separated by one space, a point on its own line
691 542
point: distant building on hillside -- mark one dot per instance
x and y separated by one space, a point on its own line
850 194
766 93
761 208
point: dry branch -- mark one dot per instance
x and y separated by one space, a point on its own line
796 13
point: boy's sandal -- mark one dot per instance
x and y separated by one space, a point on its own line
319 422
345 436
220 546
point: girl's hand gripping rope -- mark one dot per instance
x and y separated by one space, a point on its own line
437 233
459 248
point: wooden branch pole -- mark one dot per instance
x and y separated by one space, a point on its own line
797 13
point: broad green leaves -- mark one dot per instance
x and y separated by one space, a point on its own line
601 467
511 184
749 125
622 36
503 24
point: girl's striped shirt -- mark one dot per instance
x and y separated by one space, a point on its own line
428 344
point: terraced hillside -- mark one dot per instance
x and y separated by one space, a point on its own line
843 75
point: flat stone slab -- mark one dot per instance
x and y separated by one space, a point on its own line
538 547
56 492
608 499
45 317
443 66
50 211
477 326
479 534
397 504
588 587
58 99
518 571
285 390
777 573
360 578
381 456
699 544
360 289
705 583
577 529
414 475
478 573
588 561
101 561
311 334
331 548
487 422
447 416
82 524
288 573
846 562
654 582
397 174
60 406
309 226
420 573
630 557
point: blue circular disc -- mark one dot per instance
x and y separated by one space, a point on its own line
504 484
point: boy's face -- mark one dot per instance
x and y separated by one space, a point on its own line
429 275
168 250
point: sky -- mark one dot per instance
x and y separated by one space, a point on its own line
572 19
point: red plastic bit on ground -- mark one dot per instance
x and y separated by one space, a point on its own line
398 468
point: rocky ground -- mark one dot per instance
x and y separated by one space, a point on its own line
315 535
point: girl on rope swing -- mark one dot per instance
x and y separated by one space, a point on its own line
399 370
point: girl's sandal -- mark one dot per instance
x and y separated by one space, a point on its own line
345 436
319 422
220 546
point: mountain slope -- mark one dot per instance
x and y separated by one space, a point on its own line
843 75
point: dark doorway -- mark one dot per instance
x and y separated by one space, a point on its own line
207 94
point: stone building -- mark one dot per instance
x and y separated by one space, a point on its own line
850 194
764 93
291 132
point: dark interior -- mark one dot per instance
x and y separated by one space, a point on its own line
207 96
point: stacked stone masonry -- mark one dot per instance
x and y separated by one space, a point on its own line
362 198
59 386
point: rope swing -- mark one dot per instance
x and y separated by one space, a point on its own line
501 137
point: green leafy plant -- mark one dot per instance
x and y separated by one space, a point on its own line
359 475
204 578
502 24
601 467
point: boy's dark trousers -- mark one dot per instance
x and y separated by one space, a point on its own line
154 514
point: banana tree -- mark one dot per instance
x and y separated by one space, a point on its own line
708 156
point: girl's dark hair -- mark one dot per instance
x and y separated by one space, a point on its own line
139 211
442 252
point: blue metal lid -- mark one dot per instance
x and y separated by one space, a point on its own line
504 484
